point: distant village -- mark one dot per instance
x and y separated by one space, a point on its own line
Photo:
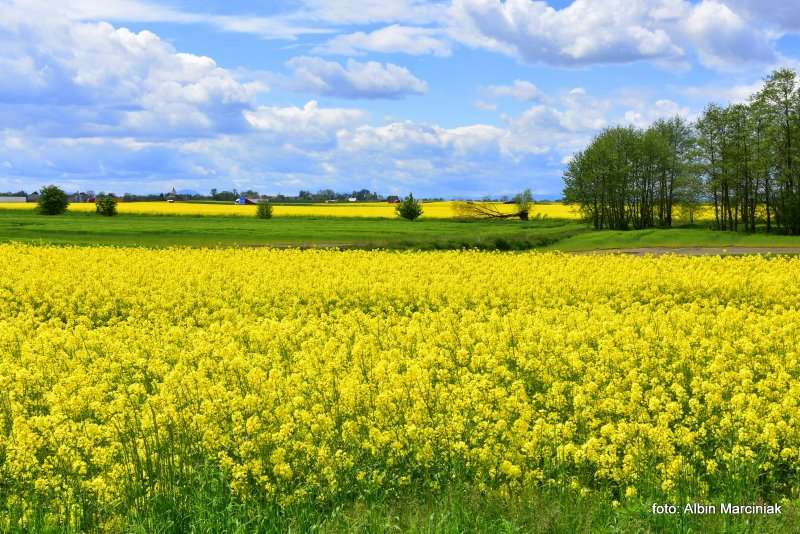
235 196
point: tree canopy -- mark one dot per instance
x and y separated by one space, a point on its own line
742 159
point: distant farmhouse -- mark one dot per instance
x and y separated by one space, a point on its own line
13 199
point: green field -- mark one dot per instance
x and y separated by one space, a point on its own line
211 231
688 236
215 231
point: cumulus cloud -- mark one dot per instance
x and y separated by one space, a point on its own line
721 33
576 111
89 79
410 138
391 39
472 160
521 90
561 125
354 80
724 39
781 15
304 126
590 32
722 94
645 114
585 32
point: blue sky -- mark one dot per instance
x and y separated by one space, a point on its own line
461 98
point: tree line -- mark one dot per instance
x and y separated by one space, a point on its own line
742 160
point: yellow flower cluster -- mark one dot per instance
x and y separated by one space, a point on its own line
431 210
321 375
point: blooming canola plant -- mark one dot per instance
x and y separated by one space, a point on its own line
320 376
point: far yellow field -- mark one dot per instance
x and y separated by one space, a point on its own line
432 210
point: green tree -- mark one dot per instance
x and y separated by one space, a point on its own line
106 205
264 210
409 208
52 200
524 202
742 158
605 180
780 100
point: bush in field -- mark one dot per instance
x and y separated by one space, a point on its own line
52 201
106 205
264 210
409 208
524 202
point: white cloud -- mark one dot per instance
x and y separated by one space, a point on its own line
93 79
279 26
374 11
485 106
355 80
521 90
722 94
391 39
645 114
725 40
412 138
307 125
723 34
781 15
575 111
85 101
612 31
585 32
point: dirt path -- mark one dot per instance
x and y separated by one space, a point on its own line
694 251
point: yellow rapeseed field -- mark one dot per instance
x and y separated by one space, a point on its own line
324 375
434 210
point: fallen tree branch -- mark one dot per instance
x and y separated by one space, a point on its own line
485 210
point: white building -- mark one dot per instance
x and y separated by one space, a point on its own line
13 199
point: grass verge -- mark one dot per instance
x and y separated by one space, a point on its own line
207 505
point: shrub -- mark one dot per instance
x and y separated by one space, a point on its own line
409 208
524 202
106 205
52 200
264 210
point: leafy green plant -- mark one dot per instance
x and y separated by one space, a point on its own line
106 205
410 208
264 210
52 200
